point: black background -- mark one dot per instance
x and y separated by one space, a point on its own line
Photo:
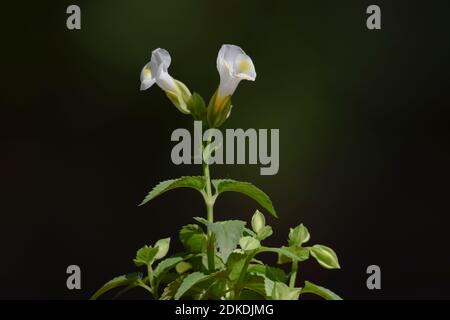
363 118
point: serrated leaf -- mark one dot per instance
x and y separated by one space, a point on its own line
193 238
166 265
227 235
326 257
195 182
123 280
282 292
171 289
298 235
189 281
248 189
320 291
145 255
255 283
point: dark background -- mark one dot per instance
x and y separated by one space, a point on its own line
364 140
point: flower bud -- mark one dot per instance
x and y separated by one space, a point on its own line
258 221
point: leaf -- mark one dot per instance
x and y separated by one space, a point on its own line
275 274
268 286
249 243
325 256
193 238
248 189
249 294
282 292
256 283
298 235
301 254
196 182
145 256
166 265
189 281
123 280
171 289
227 235
320 291
235 263
196 105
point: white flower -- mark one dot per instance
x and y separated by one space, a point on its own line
233 66
156 71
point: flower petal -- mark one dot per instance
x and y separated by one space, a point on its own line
147 79
244 68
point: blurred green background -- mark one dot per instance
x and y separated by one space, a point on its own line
363 119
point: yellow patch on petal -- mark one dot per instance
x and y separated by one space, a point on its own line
147 72
244 66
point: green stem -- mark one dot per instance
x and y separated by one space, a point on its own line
293 277
209 201
240 281
151 281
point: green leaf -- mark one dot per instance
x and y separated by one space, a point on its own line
145 256
325 256
235 263
171 289
320 291
189 281
248 189
255 283
249 243
288 254
282 292
196 105
197 183
166 265
123 280
227 235
193 238
249 294
298 235
275 274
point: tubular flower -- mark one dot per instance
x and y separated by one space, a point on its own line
156 71
233 66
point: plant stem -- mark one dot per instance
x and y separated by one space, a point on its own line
151 280
240 281
209 201
293 277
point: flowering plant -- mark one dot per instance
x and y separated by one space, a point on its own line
220 257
